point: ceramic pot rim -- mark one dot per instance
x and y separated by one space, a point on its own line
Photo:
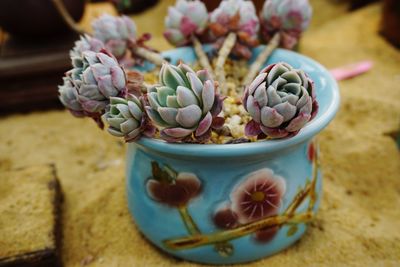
254 148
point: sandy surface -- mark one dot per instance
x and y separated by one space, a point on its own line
359 220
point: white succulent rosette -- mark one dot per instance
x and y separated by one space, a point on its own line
236 16
185 104
115 33
280 100
288 17
89 85
184 20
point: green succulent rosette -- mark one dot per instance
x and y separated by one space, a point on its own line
280 100
126 118
185 104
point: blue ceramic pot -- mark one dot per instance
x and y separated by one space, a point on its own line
232 203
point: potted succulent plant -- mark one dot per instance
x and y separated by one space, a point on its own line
219 170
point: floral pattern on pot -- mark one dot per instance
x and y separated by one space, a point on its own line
171 188
257 197
254 207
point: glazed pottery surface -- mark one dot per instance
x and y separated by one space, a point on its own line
233 203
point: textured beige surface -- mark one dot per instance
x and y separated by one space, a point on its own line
359 220
26 208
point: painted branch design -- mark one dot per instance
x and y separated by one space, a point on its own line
288 217
201 240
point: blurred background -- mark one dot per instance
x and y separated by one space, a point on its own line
36 35
358 222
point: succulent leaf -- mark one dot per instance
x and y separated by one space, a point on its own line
280 100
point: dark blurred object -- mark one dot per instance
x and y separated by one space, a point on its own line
391 21
33 18
31 71
356 4
212 4
132 6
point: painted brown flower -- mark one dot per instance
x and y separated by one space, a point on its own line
258 196
172 188
266 235
311 152
225 218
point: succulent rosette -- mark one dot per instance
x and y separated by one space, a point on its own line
115 33
289 17
237 16
89 85
85 43
280 100
185 19
185 104
127 119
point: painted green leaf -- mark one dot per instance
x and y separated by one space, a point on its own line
292 230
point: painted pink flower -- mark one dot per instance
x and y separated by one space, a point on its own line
259 196
171 188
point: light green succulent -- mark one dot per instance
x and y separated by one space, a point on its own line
184 104
126 118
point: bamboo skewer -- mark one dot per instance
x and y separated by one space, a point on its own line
201 55
148 55
222 56
262 57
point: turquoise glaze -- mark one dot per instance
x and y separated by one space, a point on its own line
186 218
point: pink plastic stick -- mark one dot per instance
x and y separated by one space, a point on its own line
352 70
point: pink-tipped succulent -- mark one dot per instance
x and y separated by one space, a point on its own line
115 33
127 119
289 17
184 20
236 16
89 85
85 43
280 100
185 104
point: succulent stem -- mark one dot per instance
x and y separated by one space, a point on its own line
218 237
262 57
201 55
188 221
59 5
222 56
148 55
